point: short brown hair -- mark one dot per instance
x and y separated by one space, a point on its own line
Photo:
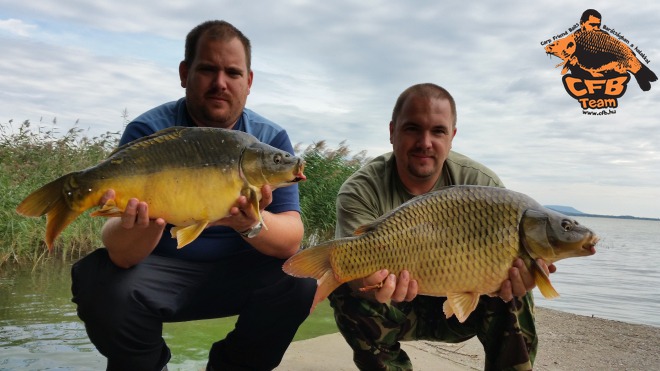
426 90
219 30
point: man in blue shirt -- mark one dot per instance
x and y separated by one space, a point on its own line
126 290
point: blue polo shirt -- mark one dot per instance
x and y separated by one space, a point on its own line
215 242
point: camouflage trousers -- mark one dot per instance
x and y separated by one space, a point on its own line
374 331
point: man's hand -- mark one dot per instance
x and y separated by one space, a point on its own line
136 213
521 279
132 236
241 216
387 287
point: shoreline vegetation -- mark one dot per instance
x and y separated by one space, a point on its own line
33 155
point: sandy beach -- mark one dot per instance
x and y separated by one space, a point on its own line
566 342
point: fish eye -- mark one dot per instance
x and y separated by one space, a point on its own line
567 225
277 158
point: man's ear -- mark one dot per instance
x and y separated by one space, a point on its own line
391 131
183 73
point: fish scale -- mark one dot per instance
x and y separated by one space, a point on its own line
457 242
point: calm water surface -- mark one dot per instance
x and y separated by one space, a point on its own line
620 281
39 328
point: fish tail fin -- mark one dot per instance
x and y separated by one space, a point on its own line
644 77
43 199
315 262
543 283
50 200
312 262
327 284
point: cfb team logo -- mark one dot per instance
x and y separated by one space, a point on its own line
600 62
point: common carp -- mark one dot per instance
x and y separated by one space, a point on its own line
457 242
598 53
188 176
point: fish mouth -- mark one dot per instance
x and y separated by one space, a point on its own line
590 244
300 176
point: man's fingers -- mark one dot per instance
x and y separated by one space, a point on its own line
518 285
375 278
130 212
546 268
412 290
384 294
505 291
135 214
142 219
266 196
401 289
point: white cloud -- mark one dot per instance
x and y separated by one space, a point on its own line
17 27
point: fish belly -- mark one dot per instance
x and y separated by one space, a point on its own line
181 197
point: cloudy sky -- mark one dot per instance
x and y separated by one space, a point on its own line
331 70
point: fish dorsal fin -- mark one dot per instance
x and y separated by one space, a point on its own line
372 226
161 133
543 282
109 209
460 304
186 235
368 227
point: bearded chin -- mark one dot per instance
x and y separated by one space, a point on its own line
219 118
422 171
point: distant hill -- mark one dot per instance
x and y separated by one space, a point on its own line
571 211
565 209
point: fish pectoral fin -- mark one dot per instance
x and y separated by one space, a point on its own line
110 209
543 282
186 235
460 304
251 192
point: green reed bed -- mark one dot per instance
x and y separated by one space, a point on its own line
33 155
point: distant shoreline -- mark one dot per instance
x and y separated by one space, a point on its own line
567 210
616 217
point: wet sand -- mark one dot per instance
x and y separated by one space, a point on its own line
566 342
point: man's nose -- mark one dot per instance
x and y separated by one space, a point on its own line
220 80
425 139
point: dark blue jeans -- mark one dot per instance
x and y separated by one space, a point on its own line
124 309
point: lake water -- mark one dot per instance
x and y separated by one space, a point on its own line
39 329
620 282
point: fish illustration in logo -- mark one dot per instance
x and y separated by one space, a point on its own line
591 52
